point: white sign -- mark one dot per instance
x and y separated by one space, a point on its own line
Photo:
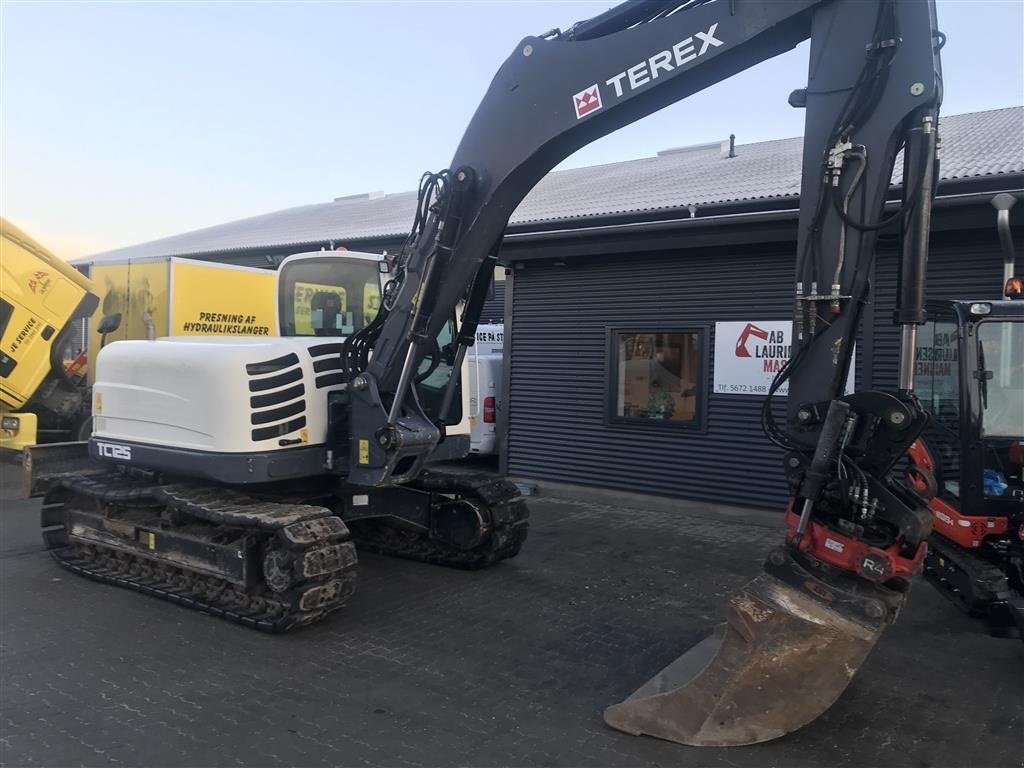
749 354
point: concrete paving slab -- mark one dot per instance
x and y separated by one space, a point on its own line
434 667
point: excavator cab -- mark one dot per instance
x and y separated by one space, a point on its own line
971 379
970 460
338 294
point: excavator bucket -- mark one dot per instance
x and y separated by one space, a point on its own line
782 658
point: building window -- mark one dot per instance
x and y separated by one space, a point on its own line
657 377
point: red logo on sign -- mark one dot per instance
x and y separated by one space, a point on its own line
741 342
587 101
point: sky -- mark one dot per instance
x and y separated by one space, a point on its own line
124 122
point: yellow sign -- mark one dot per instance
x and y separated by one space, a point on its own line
217 300
364 451
371 302
304 293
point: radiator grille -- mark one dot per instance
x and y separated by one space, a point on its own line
280 408
327 364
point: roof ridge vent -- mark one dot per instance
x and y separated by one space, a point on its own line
711 145
376 194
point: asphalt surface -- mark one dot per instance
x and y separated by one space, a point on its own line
433 667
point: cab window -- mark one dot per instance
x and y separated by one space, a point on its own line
1001 372
432 378
332 296
937 374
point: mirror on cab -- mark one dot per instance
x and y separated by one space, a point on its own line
108 324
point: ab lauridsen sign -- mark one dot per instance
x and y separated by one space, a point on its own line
748 354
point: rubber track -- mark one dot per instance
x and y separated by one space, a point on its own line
303 531
977 583
502 501
224 506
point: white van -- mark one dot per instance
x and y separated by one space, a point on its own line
484 369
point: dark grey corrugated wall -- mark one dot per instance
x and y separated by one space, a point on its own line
557 428
494 307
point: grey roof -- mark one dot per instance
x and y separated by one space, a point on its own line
975 144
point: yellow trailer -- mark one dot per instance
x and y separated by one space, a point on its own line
170 296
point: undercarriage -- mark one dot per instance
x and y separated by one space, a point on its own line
270 558
986 584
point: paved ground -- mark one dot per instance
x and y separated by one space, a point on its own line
428 666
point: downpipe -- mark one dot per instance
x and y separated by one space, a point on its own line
1003 202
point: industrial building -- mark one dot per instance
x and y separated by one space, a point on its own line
646 301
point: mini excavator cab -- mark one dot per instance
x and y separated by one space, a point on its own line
969 461
970 377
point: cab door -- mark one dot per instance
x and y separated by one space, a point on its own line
937 383
994 461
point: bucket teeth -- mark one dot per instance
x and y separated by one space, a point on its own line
778 662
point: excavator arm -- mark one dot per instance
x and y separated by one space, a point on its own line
855 536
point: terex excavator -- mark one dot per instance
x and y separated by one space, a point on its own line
237 469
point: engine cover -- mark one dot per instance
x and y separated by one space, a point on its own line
231 409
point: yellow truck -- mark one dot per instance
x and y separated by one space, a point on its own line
40 298
46 359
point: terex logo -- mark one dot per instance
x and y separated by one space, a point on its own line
681 53
586 101
114 451
745 334
589 99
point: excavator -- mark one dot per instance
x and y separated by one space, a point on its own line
969 462
235 475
